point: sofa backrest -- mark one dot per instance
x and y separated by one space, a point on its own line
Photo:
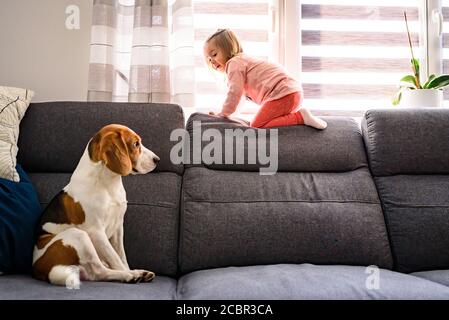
408 152
339 148
321 207
407 141
54 135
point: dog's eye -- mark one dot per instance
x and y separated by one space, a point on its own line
136 144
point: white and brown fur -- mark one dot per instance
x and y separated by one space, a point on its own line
82 227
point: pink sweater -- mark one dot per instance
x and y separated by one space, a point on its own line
261 81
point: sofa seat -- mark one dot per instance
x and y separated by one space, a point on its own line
439 276
24 287
339 148
303 281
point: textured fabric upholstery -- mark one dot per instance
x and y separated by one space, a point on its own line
307 282
438 276
408 152
301 148
243 218
226 232
20 211
417 214
20 287
54 135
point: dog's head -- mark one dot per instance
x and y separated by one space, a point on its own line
121 150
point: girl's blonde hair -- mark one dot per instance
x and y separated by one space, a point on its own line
227 41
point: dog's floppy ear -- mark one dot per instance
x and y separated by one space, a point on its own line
114 153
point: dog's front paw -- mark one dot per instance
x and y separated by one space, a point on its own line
141 276
147 276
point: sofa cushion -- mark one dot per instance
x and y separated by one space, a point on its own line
20 213
26 288
407 141
54 135
243 218
439 276
416 210
13 105
300 148
306 281
151 220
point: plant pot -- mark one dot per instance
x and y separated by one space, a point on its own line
422 98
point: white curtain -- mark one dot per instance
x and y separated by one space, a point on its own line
142 51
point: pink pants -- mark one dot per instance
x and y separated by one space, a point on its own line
281 112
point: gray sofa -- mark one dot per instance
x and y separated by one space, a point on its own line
350 214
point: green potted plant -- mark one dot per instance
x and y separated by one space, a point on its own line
413 92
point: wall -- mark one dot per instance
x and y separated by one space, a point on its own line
39 53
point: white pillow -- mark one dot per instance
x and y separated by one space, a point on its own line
13 105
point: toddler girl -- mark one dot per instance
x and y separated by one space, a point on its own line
263 82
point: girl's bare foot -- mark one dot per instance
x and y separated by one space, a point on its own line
311 120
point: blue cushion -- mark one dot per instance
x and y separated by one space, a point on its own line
19 215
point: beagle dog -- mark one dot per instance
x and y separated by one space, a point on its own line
81 230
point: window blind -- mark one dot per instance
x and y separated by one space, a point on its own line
354 54
445 42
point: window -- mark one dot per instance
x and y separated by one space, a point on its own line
349 55
353 54
444 56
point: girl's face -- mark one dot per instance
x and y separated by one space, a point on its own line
215 56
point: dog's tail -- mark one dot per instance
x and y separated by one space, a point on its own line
68 276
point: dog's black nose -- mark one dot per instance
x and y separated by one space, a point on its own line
156 159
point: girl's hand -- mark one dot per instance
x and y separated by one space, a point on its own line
218 114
